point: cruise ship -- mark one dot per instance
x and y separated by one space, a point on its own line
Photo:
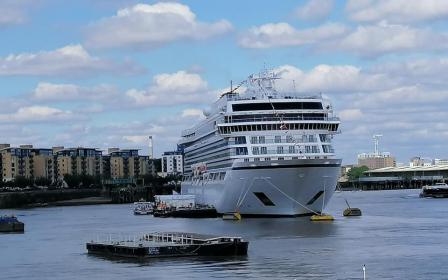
262 151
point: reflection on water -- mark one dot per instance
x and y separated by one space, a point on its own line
399 236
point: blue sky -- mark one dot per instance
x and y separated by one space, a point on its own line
109 73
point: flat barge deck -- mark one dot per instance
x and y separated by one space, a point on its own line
171 244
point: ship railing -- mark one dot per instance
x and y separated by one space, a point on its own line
286 152
237 97
276 119
273 141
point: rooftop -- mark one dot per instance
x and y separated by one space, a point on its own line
409 169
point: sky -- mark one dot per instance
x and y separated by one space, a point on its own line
108 73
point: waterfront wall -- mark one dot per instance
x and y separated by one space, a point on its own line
21 199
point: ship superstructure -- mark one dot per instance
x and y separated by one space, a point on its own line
262 152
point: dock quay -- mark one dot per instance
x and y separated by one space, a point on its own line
170 244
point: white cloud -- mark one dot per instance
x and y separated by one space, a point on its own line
397 11
364 40
193 113
71 61
383 38
169 89
14 11
66 92
350 114
137 139
282 34
145 26
36 114
328 78
314 10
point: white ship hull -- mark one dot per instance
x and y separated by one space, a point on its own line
270 188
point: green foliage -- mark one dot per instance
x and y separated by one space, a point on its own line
21 182
81 181
355 172
157 164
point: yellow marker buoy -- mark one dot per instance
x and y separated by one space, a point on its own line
321 217
235 216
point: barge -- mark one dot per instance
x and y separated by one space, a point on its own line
171 244
194 212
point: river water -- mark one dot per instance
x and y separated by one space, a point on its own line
399 236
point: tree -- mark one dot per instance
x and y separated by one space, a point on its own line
355 172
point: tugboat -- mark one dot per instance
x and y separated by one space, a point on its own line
439 190
11 224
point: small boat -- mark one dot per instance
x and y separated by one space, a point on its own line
351 212
439 190
170 244
11 224
143 208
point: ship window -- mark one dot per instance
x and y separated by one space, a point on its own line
280 150
261 140
291 149
255 150
264 150
241 151
254 140
246 160
278 139
264 199
281 158
267 159
256 159
240 140
277 106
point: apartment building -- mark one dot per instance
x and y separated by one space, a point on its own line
127 163
78 161
56 162
25 161
172 163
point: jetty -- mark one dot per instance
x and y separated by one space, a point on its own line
170 244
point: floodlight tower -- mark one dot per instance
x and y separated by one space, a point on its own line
376 139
